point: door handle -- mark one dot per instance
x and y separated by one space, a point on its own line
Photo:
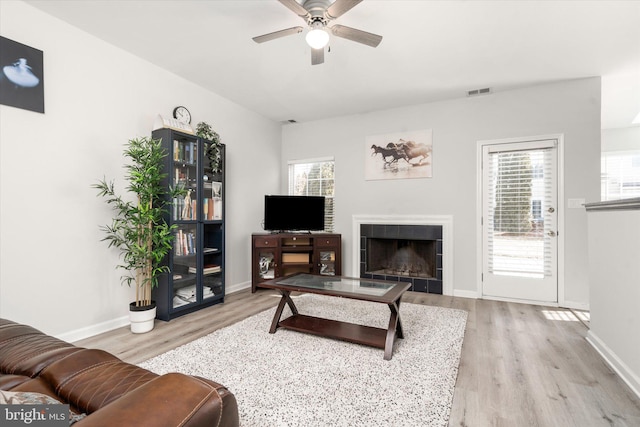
552 233
551 210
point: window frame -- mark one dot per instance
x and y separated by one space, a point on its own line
329 205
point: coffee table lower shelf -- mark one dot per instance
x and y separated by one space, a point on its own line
351 332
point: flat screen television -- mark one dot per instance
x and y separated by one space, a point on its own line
293 213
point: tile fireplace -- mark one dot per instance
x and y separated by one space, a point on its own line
404 253
399 249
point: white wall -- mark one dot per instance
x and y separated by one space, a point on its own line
571 108
55 274
614 273
621 139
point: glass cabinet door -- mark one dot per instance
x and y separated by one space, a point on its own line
266 264
212 183
212 269
327 262
185 176
185 265
213 235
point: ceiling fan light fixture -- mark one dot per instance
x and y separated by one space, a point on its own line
318 14
317 37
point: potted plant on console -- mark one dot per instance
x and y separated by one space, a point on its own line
139 229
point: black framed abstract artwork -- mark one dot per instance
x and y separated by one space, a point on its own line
21 76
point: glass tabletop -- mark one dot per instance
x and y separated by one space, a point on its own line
338 284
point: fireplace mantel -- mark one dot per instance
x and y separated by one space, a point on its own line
446 221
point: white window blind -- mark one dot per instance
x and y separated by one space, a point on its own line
519 198
315 177
620 175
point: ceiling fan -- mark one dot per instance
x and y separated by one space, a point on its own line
317 14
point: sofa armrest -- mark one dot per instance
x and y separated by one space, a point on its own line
170 400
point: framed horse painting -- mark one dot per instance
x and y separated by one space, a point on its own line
399 155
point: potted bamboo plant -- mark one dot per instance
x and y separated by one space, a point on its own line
139 229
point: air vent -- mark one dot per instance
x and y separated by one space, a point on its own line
476 92
286 122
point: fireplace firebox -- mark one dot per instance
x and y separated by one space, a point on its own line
405 253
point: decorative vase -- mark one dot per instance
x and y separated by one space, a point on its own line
142 317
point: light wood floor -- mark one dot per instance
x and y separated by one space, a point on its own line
521 365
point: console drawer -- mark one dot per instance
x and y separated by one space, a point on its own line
327 241
266 242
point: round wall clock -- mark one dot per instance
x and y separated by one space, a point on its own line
182 114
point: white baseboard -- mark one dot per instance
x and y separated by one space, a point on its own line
621 368
90 331
521 301
575 305
237 287
99 328
465 294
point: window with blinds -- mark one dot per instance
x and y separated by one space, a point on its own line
519 196
314 177
620 175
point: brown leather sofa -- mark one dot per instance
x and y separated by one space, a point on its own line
109 391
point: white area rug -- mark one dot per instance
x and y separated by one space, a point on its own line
296 379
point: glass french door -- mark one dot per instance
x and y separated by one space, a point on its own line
520 221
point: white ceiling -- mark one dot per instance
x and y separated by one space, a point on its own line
431 50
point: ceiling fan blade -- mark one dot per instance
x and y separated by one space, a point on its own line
317 56
277 34
295 7
359 36
339 7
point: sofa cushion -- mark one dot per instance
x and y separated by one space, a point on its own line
90 379
26 351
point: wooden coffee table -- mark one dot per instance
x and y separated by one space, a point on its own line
380 291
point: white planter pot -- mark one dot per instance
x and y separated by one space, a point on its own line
142 318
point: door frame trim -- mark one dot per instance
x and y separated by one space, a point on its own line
480 144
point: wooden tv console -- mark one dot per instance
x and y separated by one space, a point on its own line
282 254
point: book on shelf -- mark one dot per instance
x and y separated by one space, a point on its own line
207 292
180 178
187 291
210 209
185 152
208 269
194 210
184 243
209 250
185 208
